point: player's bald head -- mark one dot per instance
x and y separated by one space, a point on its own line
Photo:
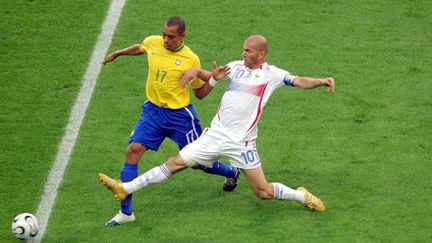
259 41
254 51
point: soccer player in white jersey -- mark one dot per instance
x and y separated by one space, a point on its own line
234 128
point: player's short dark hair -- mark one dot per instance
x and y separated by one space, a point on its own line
177 21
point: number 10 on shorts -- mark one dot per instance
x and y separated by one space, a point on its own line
250 156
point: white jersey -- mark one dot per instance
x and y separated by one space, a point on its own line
248 92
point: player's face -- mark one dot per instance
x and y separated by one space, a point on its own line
172 39
251 55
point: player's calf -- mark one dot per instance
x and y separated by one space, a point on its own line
175 164
264 192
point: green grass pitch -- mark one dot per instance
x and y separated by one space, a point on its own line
365 150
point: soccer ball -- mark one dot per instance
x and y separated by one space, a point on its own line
25 226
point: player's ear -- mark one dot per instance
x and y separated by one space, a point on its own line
262 53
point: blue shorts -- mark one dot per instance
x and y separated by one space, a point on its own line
156 123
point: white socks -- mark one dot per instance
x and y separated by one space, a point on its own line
153 176
161 173
283 192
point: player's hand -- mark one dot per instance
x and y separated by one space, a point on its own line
109 58
189 76
219 73
330 83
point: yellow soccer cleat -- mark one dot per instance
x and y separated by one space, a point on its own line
312 202
115 186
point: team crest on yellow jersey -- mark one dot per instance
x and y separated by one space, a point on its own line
177 62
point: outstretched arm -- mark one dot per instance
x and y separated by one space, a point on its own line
191 74
131 50
311 83
217 74
206 88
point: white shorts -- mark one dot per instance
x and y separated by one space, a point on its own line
213 145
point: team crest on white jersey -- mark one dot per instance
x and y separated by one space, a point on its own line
177 62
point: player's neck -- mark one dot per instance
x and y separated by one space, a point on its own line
179 48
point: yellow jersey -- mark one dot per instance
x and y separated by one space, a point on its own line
165 69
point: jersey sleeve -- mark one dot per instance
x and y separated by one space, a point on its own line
281 77
198 83
147 43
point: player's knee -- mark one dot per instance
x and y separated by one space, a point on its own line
135 149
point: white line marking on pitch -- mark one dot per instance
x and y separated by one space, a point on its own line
77 115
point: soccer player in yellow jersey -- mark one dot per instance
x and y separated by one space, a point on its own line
168 111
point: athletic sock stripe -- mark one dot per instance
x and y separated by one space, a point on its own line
165 171
276 193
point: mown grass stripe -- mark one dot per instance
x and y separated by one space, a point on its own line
77 115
